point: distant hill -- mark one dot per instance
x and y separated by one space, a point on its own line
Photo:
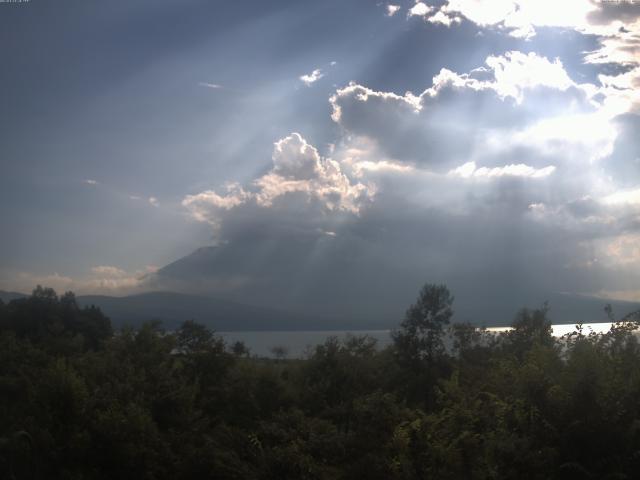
360 289
196 265
222 315
6 297
227 315
565 308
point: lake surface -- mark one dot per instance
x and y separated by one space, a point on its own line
297 343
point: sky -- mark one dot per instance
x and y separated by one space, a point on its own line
328 152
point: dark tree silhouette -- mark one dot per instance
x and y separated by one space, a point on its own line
420 335
153 404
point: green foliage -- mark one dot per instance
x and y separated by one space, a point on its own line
57 322
420 334
80 402
419 344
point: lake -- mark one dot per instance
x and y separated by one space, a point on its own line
298 342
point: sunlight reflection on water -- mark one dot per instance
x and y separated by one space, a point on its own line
297 343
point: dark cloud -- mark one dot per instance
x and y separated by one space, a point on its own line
624 162
494 252
504 181
449 123
494 193
626 11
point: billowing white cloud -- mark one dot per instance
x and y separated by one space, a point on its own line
515 72
512 161
298 169
392 10
509 75
441 17
470 170
577 137
383 166
310 78
420 9
615 23
521 17
537 145
517 104
153 201
203 206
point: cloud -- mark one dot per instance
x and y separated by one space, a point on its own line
418 227
298 167
311 78
571 151
25 282
205 206
516 72
510 180
614 23
214 86
520 18
102 279
623 197
514 175
111 285
625 295
419 9
441 17
108 271
469 170
624 162
608 12
91 182
299 174
360 168
113 280
624 250
392 10
153 201
516 104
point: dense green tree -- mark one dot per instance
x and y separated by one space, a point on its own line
57 321
193 338
420 337
419 344
240 349
80 402
529 328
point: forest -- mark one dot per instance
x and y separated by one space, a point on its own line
79 400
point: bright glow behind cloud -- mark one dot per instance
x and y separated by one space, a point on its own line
516 71
469 170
